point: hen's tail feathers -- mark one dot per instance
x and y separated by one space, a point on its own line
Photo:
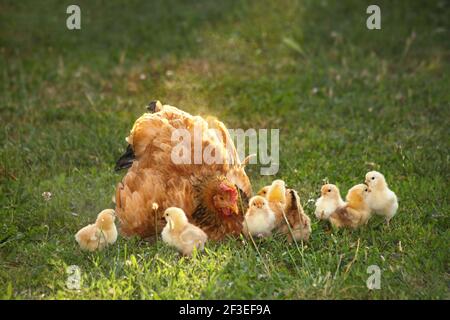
154 106
125 160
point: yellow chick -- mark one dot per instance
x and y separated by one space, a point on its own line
263 191
277 192
181 234
299 222
100 234
328 202
356 211
382 200
259 219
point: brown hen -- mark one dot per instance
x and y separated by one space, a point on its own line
213 196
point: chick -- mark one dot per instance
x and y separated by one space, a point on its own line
382 200
277 192
328 202
259 219
355 212
263 191
299 222
100 234
181 234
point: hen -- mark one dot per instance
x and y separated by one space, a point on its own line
214 196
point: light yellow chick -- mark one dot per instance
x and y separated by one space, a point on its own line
277 192
382 200
100 234
356 211
181 234
328 202
259 219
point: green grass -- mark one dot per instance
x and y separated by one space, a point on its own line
346 100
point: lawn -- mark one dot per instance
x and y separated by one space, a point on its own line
346 100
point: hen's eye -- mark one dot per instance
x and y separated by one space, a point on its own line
373 178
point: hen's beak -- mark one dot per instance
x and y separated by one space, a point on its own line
234 209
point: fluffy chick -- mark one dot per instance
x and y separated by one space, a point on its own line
99 234
263 191
330 199
181 234
259 219
277 192
382 200
355 212
299 222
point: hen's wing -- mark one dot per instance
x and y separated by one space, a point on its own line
136 195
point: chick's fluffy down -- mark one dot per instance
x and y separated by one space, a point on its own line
100 234
259 220
91 238
185 241
181 234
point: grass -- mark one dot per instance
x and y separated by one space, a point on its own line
346 100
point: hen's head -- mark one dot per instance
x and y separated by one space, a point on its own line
225 198
221 207
220 196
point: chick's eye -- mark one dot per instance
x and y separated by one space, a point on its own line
329 190
365 190
373 178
